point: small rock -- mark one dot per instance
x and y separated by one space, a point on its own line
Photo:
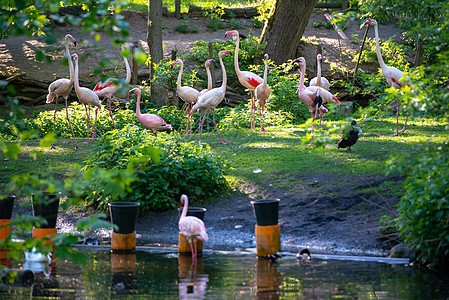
401 251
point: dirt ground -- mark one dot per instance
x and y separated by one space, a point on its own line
316 212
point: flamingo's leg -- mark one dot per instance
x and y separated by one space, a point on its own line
110 112
88 121
405 125
215 125
262 129
95 126
54 120
253 105
313 124
68 120
201 126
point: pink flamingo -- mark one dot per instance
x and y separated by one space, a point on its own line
207 64
191 227
187 94
87 97
262 92
62 87
149 121
313 97
318 80
246 78
213 97
391 74
109 87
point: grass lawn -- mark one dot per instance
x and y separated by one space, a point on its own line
278 156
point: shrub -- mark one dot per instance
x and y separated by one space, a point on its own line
185 26
186 168
214 20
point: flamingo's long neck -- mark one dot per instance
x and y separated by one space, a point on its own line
265 81
236 56
76 79
71 71
379 54
184 209
180 76
318 72
138 113
301 78
128 70
69 57
223 70
209 78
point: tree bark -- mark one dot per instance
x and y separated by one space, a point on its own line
154 39
178 9
419 53
284 28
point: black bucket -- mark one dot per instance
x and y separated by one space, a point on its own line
6 207
266 212
195 212
47 207
124 215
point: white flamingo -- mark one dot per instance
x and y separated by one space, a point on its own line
207 64
87 97
62 87
318 80
191 227
262 92
110 86
213 97
149 121
246 78
391 74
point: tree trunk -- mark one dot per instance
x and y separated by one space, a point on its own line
419 53
154 39
284 28
178 9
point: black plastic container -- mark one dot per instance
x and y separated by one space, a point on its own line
266 212
124 215
46 207
194 212
6 207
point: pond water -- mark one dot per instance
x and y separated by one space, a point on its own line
226 275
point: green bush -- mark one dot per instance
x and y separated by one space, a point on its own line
424 209
184 168
185 26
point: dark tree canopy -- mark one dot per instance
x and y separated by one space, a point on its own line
285 26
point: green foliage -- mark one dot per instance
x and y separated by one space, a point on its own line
183 168
185 27
394 54
235 24
424 208
214 18
257 23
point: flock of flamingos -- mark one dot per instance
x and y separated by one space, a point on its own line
314 96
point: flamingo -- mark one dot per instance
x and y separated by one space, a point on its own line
191 227
187 94
391 74
87 97
149 121
109 87
314 96
62 87
318 80
213 97
246 78
262 92
207 64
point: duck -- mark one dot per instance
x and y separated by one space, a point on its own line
351 137
304 254
37 256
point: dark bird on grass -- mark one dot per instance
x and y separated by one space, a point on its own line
304 254
351 137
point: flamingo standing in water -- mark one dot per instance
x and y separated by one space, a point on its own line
149 121
313 97
246 78
213 97
191 227
62 87
391 74
109 87
87 97
318 80
187 94
262 92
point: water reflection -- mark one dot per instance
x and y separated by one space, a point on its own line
192 280
225 276
124 270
